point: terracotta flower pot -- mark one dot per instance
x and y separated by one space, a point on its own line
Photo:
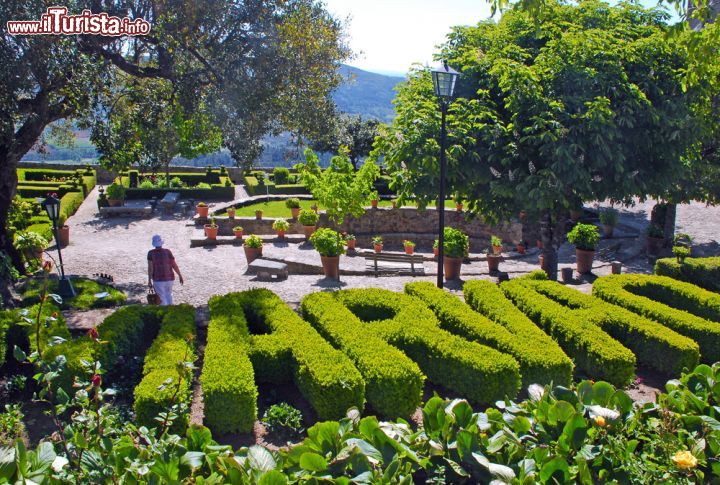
378 247
295 212
497 250
521 248
459 207
608 230
202 211
584 260
493 261
231 213
436 251
64 235
238 234
281 234
115 202
331 266
452 268
350 244
374 203
567 275
211 232
258 215
251 254
540 259
409 249
394 204
308 230
654 244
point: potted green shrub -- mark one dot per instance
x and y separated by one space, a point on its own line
63 232
330 245
294 205
458 205
238 232
655 239
409 246
231 212
350 242
202 209
308 219
374 199
377 243
493 261
253 247
258 215
609 219
436 245
115 195
394 203
585 237
281 226
211 229
496 244
455 248
31 244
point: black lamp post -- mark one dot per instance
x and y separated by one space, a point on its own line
444 78
52 207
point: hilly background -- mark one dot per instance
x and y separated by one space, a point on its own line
363 93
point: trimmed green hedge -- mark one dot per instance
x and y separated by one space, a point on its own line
684 307
253 187
174 344
325 376
393 382
228 381
480 373
654 345
577 331
703 272
541 360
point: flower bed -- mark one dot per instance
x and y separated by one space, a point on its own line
703 272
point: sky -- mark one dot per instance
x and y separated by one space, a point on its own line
388 36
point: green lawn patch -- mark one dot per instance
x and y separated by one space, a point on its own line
85 299
276 208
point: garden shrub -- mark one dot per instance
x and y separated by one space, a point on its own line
393 382
541 360
281 175
688 309
325 376
703 272
173 345
227 379
478 372
594 352
654 345
218 190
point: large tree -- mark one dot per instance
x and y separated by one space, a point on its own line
587 103
352 132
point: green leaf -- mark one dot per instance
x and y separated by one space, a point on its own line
273 477
313 462
260 459
602 392
7 463
193 459
553 468
501 472
198 437
19 355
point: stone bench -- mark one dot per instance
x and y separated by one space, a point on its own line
265 269
168 202
372 260
125 211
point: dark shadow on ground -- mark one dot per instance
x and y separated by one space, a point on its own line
705 250
329 284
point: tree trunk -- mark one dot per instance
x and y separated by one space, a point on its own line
548 228
8 188
669 225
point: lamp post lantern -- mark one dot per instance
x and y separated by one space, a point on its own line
444 79
52 207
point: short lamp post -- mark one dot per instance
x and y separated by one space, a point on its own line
444 79
52 207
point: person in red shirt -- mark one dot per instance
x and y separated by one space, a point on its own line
161 264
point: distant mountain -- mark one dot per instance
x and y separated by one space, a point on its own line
366 93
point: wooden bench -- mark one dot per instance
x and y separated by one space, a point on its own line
125 211
413 260
265 269
168 202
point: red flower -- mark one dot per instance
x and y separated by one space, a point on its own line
93 333
47 266
96 380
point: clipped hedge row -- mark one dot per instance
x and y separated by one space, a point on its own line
325 376
393 382
541 360
703 272
253 187
475 371
577 331
654 345
688 309
227 379
174 344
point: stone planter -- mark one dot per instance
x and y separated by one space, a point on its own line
493 261
211 232
115 202
584 260
251 254
654 245
202 211
452 268
64 236
308 230
608 231
331 266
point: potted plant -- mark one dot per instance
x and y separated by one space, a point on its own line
115 194
585 237
211 229
374 199
309 220
253 247
281 226
330 245
496 244
238 232
377 243
294 205
409 246
521 247
231 212
455 248
202 209
258 215
31 244
493 261
655 239
394 203
350 242
609 219
314 207
436 245
458 205
63 232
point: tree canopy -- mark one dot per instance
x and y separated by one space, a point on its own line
351 131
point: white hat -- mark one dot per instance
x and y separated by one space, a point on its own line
157 241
